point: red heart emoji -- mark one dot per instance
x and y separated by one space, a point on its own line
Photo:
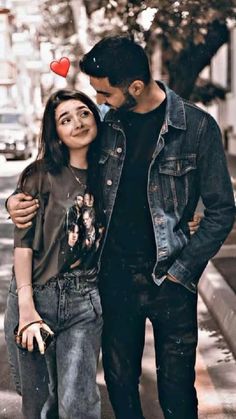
61 67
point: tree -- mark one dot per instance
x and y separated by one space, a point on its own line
189 32
59 29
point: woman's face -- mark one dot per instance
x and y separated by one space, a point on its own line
73 236
75 123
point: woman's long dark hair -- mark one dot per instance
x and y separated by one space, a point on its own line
52 155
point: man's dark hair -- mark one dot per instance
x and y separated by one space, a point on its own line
118 58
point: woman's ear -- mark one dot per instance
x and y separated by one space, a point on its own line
136 88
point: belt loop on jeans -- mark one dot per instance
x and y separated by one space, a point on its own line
60 281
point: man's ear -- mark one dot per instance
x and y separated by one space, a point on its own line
136 88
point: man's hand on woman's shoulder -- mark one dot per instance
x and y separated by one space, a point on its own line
22 209
195 222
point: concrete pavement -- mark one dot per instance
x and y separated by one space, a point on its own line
220 299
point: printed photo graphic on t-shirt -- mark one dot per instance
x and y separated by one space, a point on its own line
82 234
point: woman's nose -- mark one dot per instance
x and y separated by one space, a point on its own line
78 123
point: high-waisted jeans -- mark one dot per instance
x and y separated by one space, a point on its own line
66 388
129 296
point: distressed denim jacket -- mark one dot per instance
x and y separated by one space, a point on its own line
188 163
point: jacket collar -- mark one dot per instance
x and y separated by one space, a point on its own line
175 112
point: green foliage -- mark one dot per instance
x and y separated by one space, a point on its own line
59 30
189 32
58 21
179 22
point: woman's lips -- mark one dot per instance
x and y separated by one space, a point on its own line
80 133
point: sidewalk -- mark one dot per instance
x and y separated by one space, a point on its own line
217 286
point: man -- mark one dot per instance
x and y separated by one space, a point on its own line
159 155
90 232
74 213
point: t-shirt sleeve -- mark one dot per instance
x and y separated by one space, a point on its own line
36 185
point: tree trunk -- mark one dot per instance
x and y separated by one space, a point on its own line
185 68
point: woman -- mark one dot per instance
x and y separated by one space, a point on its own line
53 304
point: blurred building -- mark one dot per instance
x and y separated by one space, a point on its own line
7 63
222 72
20 63
26 51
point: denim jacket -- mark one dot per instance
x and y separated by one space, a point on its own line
188 163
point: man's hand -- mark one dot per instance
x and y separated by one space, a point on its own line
193 227
194 224
22 208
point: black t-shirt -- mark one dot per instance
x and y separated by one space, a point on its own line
131 231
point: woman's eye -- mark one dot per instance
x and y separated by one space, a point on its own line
85 114
65 121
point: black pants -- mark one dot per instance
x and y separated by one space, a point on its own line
129 297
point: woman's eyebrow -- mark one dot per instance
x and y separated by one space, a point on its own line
68 112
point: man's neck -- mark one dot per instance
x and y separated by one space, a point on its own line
150 99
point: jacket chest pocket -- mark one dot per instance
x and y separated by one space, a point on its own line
176 175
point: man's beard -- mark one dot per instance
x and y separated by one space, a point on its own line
129 103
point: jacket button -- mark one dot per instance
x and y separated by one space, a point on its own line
109 182
119 150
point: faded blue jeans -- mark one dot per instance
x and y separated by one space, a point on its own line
72 309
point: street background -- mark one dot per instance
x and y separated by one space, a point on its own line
192 47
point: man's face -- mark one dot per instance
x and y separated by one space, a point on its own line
115 97
87 220
79 201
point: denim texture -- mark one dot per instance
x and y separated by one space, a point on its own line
188 163
29 370
129 297
73 311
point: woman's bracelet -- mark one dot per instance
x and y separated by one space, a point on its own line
24 285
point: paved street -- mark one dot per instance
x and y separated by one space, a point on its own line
216 367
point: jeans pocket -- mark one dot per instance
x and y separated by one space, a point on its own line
172 289
178 292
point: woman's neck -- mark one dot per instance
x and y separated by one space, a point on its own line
78 158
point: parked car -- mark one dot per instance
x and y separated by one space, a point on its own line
16 139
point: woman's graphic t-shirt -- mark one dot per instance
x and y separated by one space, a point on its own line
82 235
66 233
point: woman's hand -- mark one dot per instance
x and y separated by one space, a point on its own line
195 223
32 332
22 208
